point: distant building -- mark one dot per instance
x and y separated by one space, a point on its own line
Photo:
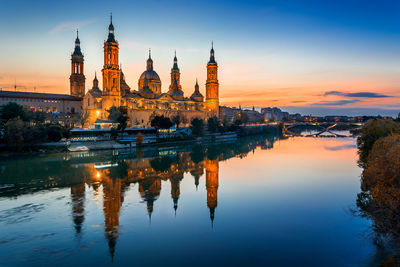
228 113
274 114
59 107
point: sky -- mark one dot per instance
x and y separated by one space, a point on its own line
313 57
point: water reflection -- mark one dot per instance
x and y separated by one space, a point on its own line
111 174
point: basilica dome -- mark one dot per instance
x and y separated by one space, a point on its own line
153 80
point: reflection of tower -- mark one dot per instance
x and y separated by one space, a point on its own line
149 190
78 205
112 201
212 168
77 78
212 98
197 172
111 71
175 191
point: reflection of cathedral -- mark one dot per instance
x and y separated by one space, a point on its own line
106 177
148 100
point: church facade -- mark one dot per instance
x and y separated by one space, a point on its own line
148 100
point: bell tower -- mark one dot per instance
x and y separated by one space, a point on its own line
175 74
77 78
111 71
212 85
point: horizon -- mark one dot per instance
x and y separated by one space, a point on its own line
321 59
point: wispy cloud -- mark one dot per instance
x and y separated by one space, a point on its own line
336 103
70 25
358 94
298 101
341 147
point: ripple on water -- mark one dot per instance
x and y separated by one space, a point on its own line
20 214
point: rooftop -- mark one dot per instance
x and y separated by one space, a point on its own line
17 94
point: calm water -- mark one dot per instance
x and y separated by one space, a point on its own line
259 201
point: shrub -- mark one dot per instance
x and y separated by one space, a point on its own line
197 127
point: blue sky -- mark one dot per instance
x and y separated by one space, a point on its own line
270 53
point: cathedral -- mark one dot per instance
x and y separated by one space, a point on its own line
148 100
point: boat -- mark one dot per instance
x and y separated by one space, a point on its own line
78 148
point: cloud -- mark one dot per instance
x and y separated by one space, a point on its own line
359 94
336 103
341 147
298 101
70 25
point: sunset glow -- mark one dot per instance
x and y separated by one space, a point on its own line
319 59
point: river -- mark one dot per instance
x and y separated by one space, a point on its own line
257 201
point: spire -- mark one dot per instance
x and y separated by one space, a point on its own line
111 37
77 50
95 81
149 61
196 87
212 58
77 41
175 67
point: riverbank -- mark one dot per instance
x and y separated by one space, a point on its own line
126 142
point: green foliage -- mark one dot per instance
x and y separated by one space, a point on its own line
54 132
10 111
83 118
176 120
213 124
19 134
119 115
161 122
371 132
197 127
380 184
37 116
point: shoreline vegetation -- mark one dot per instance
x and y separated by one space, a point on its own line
379 199
27 132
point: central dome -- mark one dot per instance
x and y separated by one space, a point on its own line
153 80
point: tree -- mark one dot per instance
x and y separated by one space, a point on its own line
14 133
12 110
212 124
119 115
176 120
371 132
380 184
83 118
197 127
54 132
161 122
19 134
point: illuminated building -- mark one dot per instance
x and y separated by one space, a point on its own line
148 100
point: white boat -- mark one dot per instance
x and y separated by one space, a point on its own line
78 148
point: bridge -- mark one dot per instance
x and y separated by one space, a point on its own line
321 128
